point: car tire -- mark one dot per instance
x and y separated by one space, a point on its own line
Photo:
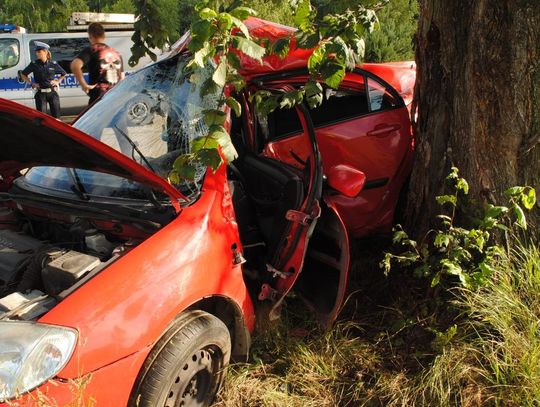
187 366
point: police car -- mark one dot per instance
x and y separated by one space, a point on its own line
17 50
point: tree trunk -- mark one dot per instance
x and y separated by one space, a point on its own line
478 101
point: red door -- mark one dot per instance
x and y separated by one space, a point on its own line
313 251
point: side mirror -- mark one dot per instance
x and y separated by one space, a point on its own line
346 180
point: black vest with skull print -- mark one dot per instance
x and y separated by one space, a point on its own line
104 64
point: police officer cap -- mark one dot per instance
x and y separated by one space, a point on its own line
41 45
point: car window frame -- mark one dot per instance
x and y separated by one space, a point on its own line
13 41
289 77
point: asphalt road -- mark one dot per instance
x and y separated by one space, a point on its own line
67 119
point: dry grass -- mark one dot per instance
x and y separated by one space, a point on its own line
387 356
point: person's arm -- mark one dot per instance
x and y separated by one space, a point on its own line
59 71
76 67
122 73
24 75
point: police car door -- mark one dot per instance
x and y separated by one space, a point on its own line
14 57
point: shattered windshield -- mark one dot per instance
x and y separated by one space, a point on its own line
153 116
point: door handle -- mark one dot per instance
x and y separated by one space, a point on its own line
382 130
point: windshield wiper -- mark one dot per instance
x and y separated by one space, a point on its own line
77 188
150 193
132 143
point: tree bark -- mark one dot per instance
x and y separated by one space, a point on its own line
478 101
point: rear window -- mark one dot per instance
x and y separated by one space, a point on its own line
380 97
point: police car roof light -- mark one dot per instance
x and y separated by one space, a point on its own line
9 28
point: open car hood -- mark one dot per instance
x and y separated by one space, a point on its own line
30 138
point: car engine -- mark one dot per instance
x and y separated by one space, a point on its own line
42 259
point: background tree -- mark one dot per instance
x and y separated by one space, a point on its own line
478 99
40 16
395 39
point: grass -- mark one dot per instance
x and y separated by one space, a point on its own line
408 345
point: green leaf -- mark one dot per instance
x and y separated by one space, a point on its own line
225 21
303 18
214 117
462 185
332 73
207 13
238 23
453 173
451 268
201 55
386 263
399 235
200 33
444 199
201 143
220 74
306 40
495 211
234 105
219 134
486 269
514 191
234 60
337 50
210 157
265 102
521 220
291 99
249 47
281 47
314 93
442 240
183 168
208 87
243 13
528 198
436 280
316 59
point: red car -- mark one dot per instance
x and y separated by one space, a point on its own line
116 285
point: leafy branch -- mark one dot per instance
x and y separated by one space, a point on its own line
466 254
219 37
337 44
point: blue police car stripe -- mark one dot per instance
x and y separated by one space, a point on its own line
12 84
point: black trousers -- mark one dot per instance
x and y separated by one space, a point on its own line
51 98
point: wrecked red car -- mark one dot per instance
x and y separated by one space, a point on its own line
118 286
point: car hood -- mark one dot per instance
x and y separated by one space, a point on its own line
30 138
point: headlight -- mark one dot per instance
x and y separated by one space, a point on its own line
31 354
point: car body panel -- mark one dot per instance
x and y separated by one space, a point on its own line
379 144
131 304
110 385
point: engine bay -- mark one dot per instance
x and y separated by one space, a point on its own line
46 254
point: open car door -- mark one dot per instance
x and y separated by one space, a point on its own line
306 242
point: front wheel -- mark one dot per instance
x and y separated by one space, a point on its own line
187 365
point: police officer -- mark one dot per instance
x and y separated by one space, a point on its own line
45 71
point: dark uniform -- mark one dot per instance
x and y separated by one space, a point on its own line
44 72
105 68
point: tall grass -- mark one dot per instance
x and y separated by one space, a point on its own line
493 358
